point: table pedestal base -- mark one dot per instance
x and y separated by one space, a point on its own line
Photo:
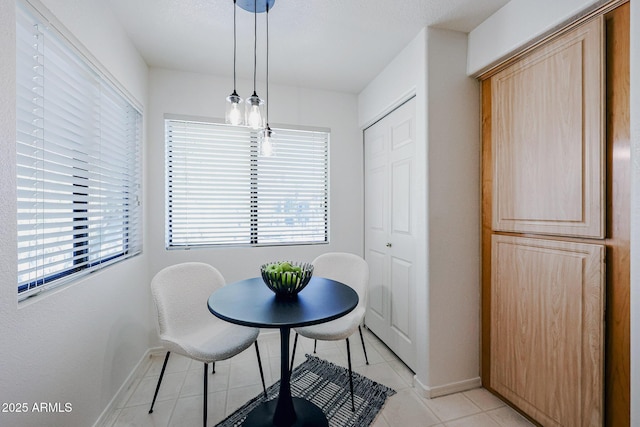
307 415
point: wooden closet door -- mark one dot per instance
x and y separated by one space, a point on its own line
514 364
547 328
548 138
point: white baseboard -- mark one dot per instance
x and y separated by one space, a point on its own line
138 371
443 390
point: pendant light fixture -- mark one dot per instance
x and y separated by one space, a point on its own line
266 136
234 114
254 106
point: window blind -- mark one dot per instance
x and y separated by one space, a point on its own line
221 191
78 163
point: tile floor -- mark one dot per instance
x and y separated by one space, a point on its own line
237 380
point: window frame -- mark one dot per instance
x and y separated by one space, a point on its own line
87 254
253 239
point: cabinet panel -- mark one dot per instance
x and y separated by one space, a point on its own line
547 328
548 138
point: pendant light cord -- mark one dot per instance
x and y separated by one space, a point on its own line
268 100
255 42
234 46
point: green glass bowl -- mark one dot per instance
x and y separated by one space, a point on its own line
287 284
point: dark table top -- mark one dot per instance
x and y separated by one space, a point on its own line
250 303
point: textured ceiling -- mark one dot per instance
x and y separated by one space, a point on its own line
329 44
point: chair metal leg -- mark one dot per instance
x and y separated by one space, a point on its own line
363 349
204 412
293 353
315 343
353 406
164 365
264 387
213 368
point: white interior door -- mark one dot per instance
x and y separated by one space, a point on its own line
390 241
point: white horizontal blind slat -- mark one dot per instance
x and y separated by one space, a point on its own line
292 189
78 163
208 185
221 192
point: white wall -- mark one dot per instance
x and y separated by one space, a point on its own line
402 78
453 161
520 21
516 24
202 95
433 67
78 344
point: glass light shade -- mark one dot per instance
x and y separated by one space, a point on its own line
266 142
254 112
234 114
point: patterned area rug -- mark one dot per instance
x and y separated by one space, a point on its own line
327 386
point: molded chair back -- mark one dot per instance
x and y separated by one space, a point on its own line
346 268
180 293
187 327
353 271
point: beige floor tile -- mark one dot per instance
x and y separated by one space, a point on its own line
169 389
270 345
197 365
402 370
274 366
188 410
405 409
484 399
126 395
194 381
478 420
306 344
384 351
357 354
138 416
380 421
452 406
384 374
507 417
248 353
323 345
333 355
111 418
236 397
245 372
176 363
300 357
237 380
368 335
373 354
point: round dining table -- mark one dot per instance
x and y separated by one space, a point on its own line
250 303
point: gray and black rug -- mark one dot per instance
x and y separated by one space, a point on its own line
327 386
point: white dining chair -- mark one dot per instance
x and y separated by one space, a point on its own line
186 326
353 271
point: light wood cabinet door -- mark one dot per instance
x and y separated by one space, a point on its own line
547 328
548 138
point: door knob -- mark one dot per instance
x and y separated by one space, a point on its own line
388 245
